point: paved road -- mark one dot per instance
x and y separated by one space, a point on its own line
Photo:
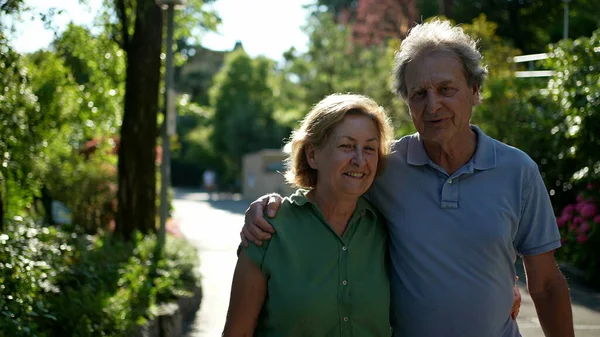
213 226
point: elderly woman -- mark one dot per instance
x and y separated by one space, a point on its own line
324 273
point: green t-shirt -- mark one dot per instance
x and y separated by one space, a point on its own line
321 284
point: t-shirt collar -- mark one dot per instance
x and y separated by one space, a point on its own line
484 158
299 198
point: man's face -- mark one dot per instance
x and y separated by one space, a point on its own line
439 97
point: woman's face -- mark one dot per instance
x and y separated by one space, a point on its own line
346 164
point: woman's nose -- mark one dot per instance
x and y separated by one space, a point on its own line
358 158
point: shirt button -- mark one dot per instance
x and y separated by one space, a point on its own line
450 181
345 319
344 282
344 248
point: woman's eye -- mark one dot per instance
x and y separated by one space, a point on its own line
346 146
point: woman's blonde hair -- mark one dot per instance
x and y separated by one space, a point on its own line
318 125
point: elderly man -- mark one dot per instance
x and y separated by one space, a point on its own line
460 205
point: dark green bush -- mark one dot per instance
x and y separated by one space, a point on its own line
58 284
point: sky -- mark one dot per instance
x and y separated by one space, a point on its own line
265 27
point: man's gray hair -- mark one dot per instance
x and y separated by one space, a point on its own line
434 36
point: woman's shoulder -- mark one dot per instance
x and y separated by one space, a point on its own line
291 209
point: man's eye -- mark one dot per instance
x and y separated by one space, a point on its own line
447 90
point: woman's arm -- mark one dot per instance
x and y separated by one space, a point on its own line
248 292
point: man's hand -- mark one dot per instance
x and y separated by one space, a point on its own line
256 228
516 307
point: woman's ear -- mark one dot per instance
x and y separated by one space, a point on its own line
309 152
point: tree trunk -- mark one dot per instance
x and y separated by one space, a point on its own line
137 147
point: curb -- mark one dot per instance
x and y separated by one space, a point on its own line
172 316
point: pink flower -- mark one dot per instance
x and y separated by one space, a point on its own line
572 227
589 210
577 220
579 198
563 220
581 238
597 219
569 209
580 205
584 228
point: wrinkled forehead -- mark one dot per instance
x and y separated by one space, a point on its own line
434 69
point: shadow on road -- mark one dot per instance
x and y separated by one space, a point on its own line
581 294
230 202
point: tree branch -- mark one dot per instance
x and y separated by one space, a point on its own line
122 15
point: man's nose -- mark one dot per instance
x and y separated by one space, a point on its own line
433 102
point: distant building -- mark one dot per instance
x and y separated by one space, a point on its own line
195 76
262 173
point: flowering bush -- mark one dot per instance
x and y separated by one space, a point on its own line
579 225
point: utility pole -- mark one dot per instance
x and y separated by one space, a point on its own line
168 129
566 20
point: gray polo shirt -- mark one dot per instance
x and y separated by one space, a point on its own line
454 238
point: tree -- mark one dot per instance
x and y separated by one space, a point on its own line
334 63
22 133
378 20
136 196
531 24
243 103
139 33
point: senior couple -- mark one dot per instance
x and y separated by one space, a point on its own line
411 238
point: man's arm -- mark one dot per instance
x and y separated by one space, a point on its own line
248 292
550 293
256 228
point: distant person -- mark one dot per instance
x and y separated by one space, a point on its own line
460 206
208 179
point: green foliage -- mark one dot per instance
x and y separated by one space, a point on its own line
531 25
243 103
193 153
32 259
87 186
55 283
24 130
333 63
575 90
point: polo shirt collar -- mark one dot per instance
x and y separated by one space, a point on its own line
299 198
484 158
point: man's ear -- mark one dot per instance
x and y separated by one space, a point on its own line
310 152
475 99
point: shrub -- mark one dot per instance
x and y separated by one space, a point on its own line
31 259
55 283
579 224
87 185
